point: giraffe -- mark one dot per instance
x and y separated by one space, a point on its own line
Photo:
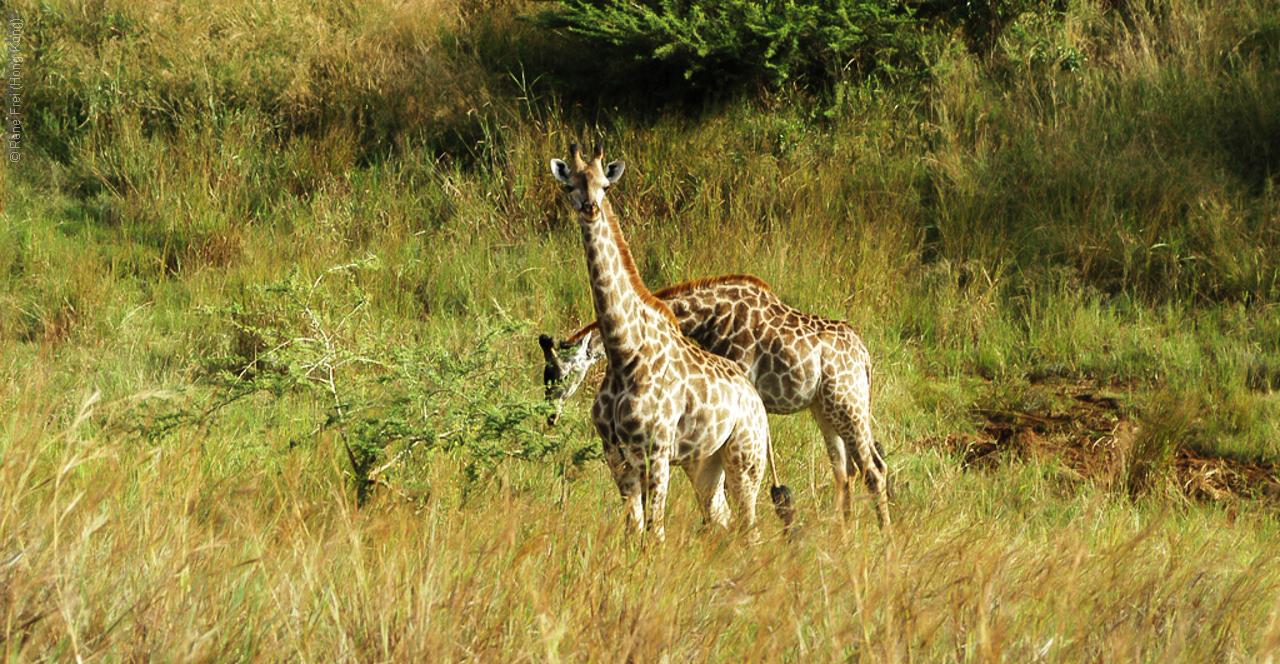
663 401
797 361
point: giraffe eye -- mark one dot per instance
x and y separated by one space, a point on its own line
567 188
605 188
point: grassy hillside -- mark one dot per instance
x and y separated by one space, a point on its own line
271 276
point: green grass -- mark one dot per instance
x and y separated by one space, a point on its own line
252 243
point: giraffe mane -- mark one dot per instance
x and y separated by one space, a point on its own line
577 336
629 266
674 290
707 282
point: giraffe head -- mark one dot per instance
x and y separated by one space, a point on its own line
587 181
566 368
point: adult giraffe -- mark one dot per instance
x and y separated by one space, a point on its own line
663 400
797 361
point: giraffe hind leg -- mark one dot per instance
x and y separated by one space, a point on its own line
853 427
839 462
708 483
744 469
866 455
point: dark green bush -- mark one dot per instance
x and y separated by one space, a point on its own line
720 44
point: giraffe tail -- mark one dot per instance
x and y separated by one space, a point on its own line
780 494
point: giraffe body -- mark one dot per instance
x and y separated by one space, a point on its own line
797 361
664 402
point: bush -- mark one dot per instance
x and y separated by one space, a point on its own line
717 44
391 403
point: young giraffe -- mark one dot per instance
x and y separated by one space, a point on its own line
663 400
796 360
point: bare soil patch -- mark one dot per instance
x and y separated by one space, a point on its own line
1091 432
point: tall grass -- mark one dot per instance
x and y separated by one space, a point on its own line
130 550
1092 202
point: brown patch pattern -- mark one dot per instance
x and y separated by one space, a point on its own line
795 360
663 400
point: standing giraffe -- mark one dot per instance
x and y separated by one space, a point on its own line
797 361
663 400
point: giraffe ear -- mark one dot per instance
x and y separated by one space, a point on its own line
560 170
614 170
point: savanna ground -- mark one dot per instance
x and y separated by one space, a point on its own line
271 276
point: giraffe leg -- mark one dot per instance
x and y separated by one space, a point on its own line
839 461
655 493
853 425
746 456
875 472
630 480
633 507
708 483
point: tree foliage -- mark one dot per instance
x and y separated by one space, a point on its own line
716 44
392 406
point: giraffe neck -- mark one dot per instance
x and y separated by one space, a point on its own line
628 314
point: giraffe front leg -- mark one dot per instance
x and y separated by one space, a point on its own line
630 482
658 481
633 506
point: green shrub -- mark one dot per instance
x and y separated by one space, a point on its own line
982 22
391 403
717 44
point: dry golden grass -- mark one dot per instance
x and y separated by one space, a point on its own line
115 550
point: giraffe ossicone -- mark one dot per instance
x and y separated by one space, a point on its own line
664 402
797 361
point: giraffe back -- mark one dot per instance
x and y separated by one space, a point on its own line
780 348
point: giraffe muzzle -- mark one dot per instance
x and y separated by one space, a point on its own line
589 210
